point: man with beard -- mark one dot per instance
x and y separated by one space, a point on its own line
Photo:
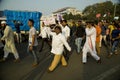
9 47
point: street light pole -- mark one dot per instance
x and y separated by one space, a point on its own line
114 10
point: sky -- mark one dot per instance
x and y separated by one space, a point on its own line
46 6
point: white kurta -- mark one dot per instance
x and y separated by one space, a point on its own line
90 38
44 32
66 31
89 45
57 44
9 40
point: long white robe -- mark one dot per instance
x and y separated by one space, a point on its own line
90 38
89 45
9 40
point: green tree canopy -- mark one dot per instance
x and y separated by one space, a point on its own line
71 16
106 9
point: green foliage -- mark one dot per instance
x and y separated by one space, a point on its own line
71 16
102 8
118 10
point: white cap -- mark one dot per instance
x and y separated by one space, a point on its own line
3 22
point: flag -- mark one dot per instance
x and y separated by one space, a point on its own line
98 15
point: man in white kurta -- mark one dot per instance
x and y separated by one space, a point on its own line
58 43
44 35
89 45
9 42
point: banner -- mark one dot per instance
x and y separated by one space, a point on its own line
49 20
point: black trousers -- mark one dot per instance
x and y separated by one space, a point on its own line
43 41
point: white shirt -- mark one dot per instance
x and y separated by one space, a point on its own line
32 32
48 30
57 44
43 33
66 31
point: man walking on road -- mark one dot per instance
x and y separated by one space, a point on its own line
89 45
18 32
103 34
44 36
32 47
80 34
58 43
115 37
98 33
65 30
8 37
66 33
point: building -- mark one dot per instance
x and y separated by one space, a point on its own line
68 10
49 19
58 15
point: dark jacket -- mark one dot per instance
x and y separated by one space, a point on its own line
80 32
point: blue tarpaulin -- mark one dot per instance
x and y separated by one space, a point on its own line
23 17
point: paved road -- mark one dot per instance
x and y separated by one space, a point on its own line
109 69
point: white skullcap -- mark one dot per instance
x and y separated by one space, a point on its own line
3 22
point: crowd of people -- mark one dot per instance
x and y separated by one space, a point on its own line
88 37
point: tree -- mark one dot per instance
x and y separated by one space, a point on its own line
106 9
65 16
118 9
71 16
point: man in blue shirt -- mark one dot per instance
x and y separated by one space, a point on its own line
115 37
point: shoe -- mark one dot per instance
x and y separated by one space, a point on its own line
17 60
84 62
64 65
2 60
99 61
34 64
109 55
40 50
49 71
66 58
115 52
